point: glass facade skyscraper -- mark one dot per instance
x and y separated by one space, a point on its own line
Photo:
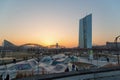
85 32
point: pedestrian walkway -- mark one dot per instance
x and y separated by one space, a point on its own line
98 63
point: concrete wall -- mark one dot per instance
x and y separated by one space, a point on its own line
94 74
113 75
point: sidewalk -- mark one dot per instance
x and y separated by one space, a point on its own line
98 63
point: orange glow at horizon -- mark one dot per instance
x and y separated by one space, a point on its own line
46 41
62 40
52 41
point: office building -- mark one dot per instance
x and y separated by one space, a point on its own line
85 32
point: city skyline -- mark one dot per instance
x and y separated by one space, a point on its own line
47 22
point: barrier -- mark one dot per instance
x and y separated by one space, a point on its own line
112 73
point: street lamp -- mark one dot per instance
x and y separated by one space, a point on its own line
118 37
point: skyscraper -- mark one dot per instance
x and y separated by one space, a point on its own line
85 32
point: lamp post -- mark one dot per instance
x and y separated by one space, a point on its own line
118 37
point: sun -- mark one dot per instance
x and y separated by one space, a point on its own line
49 41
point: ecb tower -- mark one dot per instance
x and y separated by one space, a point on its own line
85 32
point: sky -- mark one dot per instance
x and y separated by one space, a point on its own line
48 22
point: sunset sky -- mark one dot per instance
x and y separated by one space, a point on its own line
48 22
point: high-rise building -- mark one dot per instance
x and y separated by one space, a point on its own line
85 32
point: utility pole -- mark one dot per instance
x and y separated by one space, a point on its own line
117 48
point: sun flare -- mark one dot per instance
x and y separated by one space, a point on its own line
49 41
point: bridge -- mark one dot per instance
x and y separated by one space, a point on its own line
34 44
41 46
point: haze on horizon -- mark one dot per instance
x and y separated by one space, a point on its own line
48 22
